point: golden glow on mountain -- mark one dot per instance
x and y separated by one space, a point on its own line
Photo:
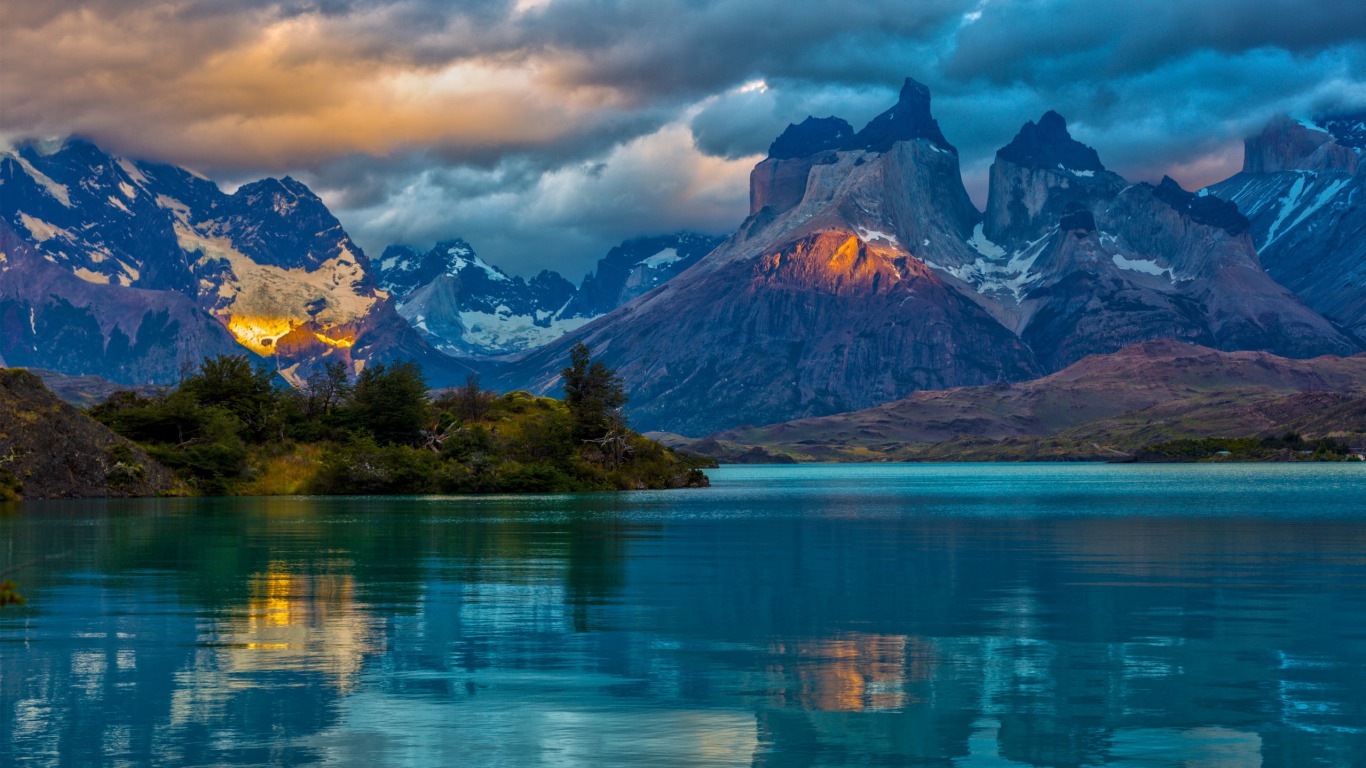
259 334
345 342
263 334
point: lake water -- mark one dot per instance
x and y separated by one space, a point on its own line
956 615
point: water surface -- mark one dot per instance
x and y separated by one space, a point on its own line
957 615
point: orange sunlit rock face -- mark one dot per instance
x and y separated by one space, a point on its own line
259 334
841 263
277 335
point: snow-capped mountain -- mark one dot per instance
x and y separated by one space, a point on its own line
269 264
466 307
864 273
1080 262
635 268
1303 189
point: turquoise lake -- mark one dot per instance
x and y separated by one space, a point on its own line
813 615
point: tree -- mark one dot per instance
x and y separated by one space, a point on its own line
327 387
594 395
390 401
471 402
232 383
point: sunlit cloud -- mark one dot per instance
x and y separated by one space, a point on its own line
546 130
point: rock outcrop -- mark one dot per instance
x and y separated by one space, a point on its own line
51 450
1303 190
819 304
864 273
1079 262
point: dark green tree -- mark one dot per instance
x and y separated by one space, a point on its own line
594 395
232 383
390 401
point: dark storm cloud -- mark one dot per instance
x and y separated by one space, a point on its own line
1048 41
546 130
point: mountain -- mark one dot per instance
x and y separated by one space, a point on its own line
466 307
1080 262
1303 189
636 267
823 300
1101 406
159 267
53 319
864 273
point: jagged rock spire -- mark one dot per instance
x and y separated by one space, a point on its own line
1047 144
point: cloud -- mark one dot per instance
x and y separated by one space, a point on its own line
564 219
547 130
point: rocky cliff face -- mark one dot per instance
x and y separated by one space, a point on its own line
864 271
1079 262
1039 176
1303 190
53 451
1164 263
53 319
268 263
819 303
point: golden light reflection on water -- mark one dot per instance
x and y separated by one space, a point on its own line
293 621
853 672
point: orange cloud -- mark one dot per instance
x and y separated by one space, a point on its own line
266 91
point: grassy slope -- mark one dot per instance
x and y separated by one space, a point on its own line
1102 407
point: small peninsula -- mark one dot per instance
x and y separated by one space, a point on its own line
229 429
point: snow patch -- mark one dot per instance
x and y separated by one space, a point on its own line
1292 199
666 256
1141 265
994 273
980 243
1288 203
1075 172
117 203
127 190
253 292
134 173
57 191
90 276
869 235
512 333
41 230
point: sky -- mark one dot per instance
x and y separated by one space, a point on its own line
546 131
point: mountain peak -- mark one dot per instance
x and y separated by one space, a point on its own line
908 119
812 135
1048 144
914 92
1287 144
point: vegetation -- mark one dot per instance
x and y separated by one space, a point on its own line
1288 447
227 430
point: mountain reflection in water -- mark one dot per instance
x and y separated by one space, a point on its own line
790 616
